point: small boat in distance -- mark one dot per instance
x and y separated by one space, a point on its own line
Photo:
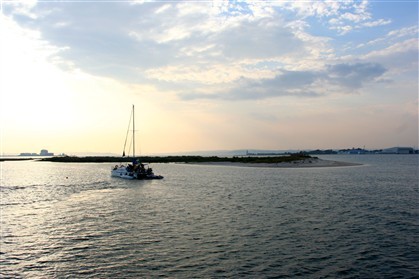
136 170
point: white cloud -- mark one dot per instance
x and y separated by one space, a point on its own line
138 2
163 8
333 79
353 17
23 8
393 37
342 16
209 74
375 23
400 58
405 31
400 47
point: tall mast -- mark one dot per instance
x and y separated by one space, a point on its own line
133 132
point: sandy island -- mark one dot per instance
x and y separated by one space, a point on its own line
307 163
290 161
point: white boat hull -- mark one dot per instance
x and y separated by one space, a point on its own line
122 172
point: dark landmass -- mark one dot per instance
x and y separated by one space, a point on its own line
310 152
348 151
180 159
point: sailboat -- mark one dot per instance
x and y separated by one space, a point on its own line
136 170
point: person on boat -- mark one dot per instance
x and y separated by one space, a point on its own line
141 166
130 168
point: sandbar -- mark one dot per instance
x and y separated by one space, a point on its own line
307 163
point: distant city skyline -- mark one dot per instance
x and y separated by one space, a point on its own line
43 152
238 152
208 75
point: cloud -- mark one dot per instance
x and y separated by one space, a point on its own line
138 41
353 76
393 37
405 31
21 8
338 78
341 16
400 47
256 40
97 37
397 51
223 50
123 40
375 23
400 57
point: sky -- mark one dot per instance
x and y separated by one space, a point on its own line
208 75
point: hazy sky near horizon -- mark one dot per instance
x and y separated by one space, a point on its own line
208 75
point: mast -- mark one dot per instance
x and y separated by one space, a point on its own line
133 133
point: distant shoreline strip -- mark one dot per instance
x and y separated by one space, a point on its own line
289 161
316 163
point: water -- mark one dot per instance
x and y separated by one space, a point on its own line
74 220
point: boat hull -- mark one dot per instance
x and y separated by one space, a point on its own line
123 173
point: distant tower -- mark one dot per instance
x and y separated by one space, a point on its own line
45 152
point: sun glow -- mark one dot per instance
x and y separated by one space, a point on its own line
40 98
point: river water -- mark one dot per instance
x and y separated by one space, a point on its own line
67 220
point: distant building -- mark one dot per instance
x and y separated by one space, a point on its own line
45 152
28 154
353 151
398 150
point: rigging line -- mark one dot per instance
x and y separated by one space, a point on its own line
126 137
133 132
130 144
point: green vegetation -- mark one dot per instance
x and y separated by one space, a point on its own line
180 159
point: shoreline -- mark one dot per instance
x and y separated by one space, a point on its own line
292 161
308 163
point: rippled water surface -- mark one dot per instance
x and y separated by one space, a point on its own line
74 220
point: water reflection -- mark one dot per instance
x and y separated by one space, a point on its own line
210 221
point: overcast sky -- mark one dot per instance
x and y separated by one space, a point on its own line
208 75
